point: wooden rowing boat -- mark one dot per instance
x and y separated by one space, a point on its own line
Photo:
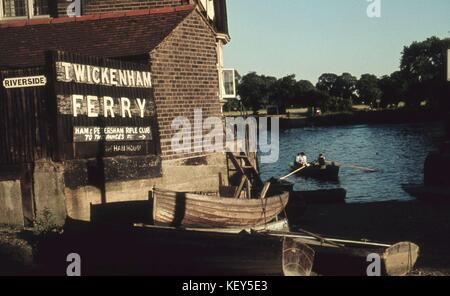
213 211
326 173
342 257
162 251
338 257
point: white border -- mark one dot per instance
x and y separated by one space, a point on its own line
224 95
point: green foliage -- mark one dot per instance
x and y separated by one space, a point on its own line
255 90
422 77
283 92
423 68
368 90
337 104
45 223
393 89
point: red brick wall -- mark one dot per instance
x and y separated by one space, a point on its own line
185 77
99 6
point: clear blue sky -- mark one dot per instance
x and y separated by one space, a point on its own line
311 37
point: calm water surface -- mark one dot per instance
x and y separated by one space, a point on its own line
397 151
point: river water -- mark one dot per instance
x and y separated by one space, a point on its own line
397 152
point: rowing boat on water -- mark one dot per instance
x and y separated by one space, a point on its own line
214 211
327 173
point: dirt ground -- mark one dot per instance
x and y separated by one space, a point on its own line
426 224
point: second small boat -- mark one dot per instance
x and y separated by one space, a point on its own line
210 210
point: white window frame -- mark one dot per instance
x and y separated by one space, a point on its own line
224 95
448 64
30 10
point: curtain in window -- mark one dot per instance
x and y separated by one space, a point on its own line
40 7
13 8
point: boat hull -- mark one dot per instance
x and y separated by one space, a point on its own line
194 210
326 173
335 257
160 251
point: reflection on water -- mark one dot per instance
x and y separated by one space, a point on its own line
397 151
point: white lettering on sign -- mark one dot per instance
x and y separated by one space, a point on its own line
90 106
111 134
30 81
69 72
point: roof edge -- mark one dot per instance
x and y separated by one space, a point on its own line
98 16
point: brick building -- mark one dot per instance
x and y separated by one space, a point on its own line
42 166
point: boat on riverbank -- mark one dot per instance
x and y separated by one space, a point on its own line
329 172
211 210
151 250
339 257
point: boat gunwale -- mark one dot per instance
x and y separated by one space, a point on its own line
222 200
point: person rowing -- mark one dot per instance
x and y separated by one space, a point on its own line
321 161
302 160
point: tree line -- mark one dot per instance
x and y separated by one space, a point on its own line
421 78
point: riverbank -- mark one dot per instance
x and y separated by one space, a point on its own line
297 118
426 224
355 117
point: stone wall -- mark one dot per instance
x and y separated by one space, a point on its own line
48 181
177 175
11 203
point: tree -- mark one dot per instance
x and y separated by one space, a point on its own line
345 86
327 83
393 88
317 98
368 89
254 90
302 90
336 104
282 92
423 65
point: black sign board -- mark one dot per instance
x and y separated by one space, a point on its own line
83 134
104 107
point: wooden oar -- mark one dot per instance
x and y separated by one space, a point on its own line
353 166
293 173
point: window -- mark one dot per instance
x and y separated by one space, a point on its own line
23 8
229 84
40 7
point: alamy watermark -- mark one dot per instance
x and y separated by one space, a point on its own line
374 9
235 134
74 8
374 268
74 266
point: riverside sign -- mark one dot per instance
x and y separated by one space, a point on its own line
29 81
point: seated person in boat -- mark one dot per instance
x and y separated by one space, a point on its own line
302 160
321 161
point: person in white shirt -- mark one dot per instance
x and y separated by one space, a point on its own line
302 159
